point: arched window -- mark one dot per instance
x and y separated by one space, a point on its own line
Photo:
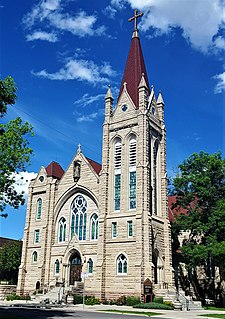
121 264
39 208
57 267
62 229
117 173
94 227
79 217
132 172
155 169
34 257
90 265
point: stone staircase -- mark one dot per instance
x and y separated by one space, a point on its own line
58 294
179 300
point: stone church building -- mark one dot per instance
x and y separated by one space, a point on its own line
109 222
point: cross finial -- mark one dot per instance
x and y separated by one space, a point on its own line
79 147
135 17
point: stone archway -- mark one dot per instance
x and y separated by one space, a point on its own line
75 267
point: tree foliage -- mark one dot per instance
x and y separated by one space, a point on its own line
200 189
15 151
10 257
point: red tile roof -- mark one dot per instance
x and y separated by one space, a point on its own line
176 211
135 66
96 166
54 170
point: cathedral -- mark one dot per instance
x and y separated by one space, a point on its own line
106 225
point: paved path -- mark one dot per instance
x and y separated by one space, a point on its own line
89 312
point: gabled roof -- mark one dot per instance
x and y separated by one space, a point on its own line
96 166
135 66
54 170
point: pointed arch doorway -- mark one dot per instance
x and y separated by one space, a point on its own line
75 267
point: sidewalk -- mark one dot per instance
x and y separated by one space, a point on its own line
168 314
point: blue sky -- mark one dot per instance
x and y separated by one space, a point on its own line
63 54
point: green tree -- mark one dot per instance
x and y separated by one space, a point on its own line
200 189
10 257
15 151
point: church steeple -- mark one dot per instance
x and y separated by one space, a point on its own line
135 65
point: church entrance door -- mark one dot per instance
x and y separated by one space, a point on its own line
75 268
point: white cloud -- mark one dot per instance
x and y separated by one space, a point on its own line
22 181
86 99
199 20
81 70
90 117
41 35
220 86
50 13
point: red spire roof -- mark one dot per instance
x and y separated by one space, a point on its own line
54 170
135 66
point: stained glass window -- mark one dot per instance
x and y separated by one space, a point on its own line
94 227
130 228
117 173
39 208
34 256
36 235
114 229
79 217
121 264
62 229
57 267
132 170
90 266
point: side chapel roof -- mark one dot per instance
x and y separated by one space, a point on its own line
54 170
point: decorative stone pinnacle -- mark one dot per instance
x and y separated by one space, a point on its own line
79 147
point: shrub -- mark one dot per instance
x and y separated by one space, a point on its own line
168 303
132 300
14 296
121 301
158 299
77 299
153 305
91 300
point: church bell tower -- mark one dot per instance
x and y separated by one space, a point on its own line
134 230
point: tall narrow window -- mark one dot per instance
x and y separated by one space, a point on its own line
34 257
90 265
130 228
39 208
62 229
37 236
121 264
79 217
155 169
57 267
132 173
114 229
117 174
94 227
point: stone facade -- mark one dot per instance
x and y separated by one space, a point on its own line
109 224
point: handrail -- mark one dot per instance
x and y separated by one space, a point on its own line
187 301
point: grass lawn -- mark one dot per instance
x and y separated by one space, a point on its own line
143 313
214 315
214 308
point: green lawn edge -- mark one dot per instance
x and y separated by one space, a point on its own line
214 315
142 313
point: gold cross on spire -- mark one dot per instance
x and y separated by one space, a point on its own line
135 17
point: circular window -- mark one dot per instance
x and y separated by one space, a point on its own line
124 107
41 179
